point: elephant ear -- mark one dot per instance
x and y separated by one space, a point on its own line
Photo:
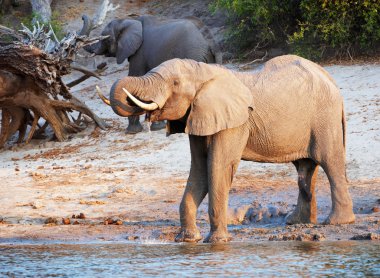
220 104
129 40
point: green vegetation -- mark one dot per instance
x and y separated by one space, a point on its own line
29 20
263 22
56 25
311 28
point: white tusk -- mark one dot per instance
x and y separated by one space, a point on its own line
100 94
146 106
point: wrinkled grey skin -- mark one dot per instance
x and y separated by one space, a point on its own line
147 42
289 111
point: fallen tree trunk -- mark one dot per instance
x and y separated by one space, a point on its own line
31 87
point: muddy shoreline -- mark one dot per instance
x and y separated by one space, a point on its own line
258 207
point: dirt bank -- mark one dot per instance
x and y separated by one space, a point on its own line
140 179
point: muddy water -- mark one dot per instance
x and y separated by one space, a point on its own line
349 259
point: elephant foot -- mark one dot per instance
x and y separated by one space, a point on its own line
299 217
158 125
218 237
188 236
340 217
134 128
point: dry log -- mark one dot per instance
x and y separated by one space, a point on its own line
31 85
99 69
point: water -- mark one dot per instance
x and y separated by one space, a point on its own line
280 259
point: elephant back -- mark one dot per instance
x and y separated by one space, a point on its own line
175 38
206 33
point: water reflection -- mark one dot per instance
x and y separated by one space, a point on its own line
233 259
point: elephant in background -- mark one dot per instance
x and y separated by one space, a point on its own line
148 41
289 111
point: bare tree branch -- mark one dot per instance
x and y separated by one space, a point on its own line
100 68
98 18
101 13
244 66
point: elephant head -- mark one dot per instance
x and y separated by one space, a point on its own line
196 98
124 38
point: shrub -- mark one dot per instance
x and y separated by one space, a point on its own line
264 23
310 28
339 28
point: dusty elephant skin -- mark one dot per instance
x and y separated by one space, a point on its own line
289 111
148 41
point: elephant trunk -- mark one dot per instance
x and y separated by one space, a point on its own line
97 48
119 103
146 89
87 26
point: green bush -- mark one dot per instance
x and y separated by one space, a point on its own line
259 22
340 28
310 28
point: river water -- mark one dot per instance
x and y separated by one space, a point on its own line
280 259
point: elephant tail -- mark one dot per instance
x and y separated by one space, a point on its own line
344 130
213 45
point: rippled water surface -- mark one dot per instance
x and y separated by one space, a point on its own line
349 259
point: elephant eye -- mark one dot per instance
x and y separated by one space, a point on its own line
176 82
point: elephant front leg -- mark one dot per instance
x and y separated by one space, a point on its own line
220 184
134 125
223 159
306 209
196 190
194 194
158 125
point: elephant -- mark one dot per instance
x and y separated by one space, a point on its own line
148 41
290 110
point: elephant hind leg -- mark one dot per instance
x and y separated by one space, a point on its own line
342 209
306 209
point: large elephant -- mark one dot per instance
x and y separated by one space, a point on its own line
289 111
148 41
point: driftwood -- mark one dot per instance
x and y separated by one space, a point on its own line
31 87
